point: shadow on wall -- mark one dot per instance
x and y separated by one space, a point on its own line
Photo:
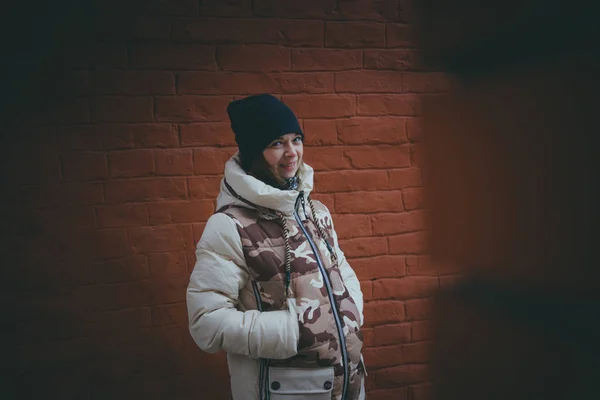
510 177
70 333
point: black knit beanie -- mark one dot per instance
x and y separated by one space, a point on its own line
258 120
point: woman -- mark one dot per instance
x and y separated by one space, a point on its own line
271 286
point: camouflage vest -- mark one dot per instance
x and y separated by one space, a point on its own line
320 322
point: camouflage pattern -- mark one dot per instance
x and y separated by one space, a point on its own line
264 251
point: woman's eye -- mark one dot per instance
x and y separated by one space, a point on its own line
298 139
275 144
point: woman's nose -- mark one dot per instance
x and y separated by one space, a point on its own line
290 150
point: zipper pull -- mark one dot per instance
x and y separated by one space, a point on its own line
303 204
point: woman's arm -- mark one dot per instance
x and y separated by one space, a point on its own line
349 277
212 295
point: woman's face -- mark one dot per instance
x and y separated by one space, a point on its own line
284 155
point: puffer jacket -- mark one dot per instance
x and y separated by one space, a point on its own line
272 288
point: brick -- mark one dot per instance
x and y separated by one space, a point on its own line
379 267
163 264
138 135
104 244
72 218
348 226
388 104
383 312
171 289
354 34
367 81
84 166
416 155
157 239
416 353
295 83
173 56
191 108
63 195
450 281
351 181
170 314
257 58
379 357
364 247
414 129
114 297
326 59
400 35
389 394
173 7
321 106
294 9
378 10
389 224
250 83
413 198
106 323
104 55
409 243
230 8
250 31
204 187
326 199
132 82
422 392
368 202
386 335
368 337
404 178
122 109
217 134
131 163
326 158
421 330
409 287
423 265
319 132
401 375
151 27
180 212
120 216
397 60
372 130
141 190
42 355
128 269
367 290
383 156
67 111
425 82
419 309
211 161
174 162
79 138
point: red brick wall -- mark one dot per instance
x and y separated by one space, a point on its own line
109 188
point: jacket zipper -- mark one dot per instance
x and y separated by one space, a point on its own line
336 315
263 371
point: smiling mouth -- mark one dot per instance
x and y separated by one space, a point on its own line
287 166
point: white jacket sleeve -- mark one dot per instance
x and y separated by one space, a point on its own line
219 274
349 277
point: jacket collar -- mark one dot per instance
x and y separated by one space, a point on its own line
256 192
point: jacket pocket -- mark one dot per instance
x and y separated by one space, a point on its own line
300 383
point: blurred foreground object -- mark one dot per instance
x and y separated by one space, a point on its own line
510 176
